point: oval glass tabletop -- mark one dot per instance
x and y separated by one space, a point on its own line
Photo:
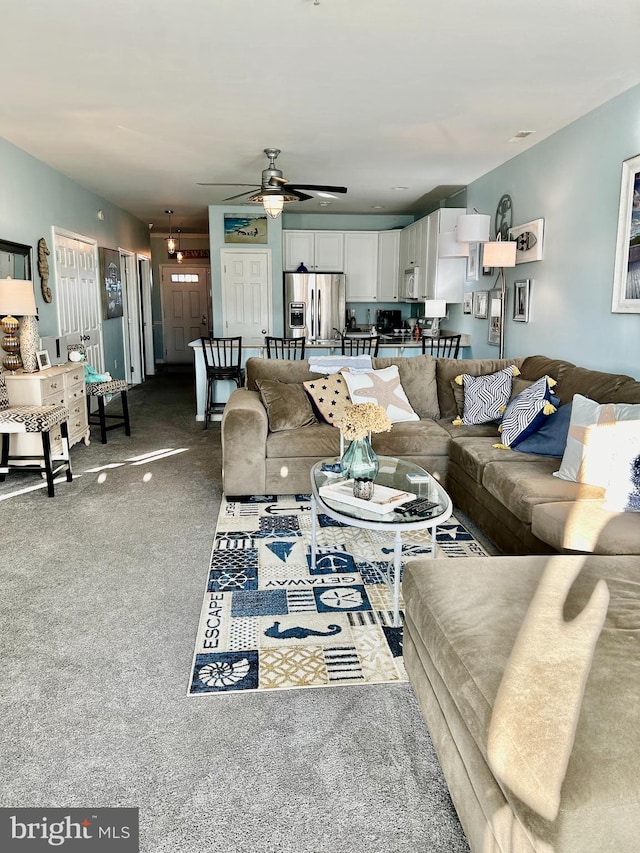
394 476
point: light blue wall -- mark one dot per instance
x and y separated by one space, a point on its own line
572 181
34 199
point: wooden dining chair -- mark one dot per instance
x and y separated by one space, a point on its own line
443 346
287 348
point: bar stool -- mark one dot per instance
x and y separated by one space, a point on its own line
32 419
447 346
360 346
222 361
289 348
99 391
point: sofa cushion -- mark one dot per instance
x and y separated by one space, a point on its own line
381 387
551 438
287 405
330 396
412 438
280 369
418 378
318 441
586 526
473 453
592 439
448 368
526 412
590 383
485 397
520 483
534 366
470 430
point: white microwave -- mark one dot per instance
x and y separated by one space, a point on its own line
411 283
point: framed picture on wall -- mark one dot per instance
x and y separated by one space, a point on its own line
467 304
495 317
245 229
528 238
522 290
626 272
480 304
473 262
111 283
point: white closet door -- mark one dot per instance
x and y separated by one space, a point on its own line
78 295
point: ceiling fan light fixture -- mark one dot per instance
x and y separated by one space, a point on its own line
273 205
273 200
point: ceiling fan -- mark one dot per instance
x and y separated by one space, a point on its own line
275 189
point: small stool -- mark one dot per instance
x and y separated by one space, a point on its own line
42 419
99 390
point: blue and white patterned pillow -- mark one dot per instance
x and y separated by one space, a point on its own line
526 413
485 397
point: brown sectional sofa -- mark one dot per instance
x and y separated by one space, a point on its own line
512 496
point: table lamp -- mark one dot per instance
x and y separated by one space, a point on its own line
435 309
17 298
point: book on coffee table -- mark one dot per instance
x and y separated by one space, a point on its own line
384 500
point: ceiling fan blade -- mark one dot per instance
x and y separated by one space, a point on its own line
231 197
327 189
204 184
300 196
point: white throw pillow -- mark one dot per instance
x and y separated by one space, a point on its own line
591 441
623 492
384 388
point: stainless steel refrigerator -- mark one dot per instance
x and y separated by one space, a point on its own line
314 305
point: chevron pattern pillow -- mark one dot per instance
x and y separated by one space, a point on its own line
526 413
485 397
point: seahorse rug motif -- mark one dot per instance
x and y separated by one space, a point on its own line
270 620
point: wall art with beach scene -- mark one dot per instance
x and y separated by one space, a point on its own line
245 229
626 274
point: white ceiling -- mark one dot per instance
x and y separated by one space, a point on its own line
139 100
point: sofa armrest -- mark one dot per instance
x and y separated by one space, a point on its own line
244 444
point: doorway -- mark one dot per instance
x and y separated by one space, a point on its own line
186 296
246 293
132 319
144 279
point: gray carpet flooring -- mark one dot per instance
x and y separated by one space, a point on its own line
101 592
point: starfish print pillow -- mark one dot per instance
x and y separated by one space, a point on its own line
330 396
384 388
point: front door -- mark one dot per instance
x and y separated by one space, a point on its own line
186 295
246 294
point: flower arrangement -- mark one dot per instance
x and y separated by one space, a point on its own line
359 419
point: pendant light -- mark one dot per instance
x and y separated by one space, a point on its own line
179 255
171 243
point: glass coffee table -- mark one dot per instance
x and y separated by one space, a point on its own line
392 478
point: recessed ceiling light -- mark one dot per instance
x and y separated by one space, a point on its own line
325 203
399 188
521 134
377 207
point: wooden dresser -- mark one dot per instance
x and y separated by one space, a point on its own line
61 385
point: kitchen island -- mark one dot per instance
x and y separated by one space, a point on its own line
390 346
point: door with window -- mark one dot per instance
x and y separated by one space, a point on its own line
186 296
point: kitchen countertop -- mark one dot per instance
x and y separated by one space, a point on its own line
392 341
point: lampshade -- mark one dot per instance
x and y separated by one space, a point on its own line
435 308
17 297
450 247
501 253
473 228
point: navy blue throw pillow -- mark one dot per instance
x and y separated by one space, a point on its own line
551 438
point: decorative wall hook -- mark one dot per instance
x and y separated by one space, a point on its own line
43 269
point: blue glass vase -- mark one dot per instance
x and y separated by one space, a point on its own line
360 463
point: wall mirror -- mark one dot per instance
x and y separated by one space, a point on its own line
15 260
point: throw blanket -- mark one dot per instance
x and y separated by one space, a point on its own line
333 363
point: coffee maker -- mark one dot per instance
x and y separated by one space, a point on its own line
387 321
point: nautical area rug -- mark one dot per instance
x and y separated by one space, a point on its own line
271 621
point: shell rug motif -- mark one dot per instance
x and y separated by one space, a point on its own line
270 621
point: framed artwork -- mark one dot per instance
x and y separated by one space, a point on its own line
467 303
473 262
495 317
529 241
522 293
480 304
626 273
42 357
111 283
487 270
245 229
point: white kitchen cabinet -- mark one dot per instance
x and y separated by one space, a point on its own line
444 277
388 265
56 386
319 251
361 265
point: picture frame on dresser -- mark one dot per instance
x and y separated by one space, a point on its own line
626 271
42 357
